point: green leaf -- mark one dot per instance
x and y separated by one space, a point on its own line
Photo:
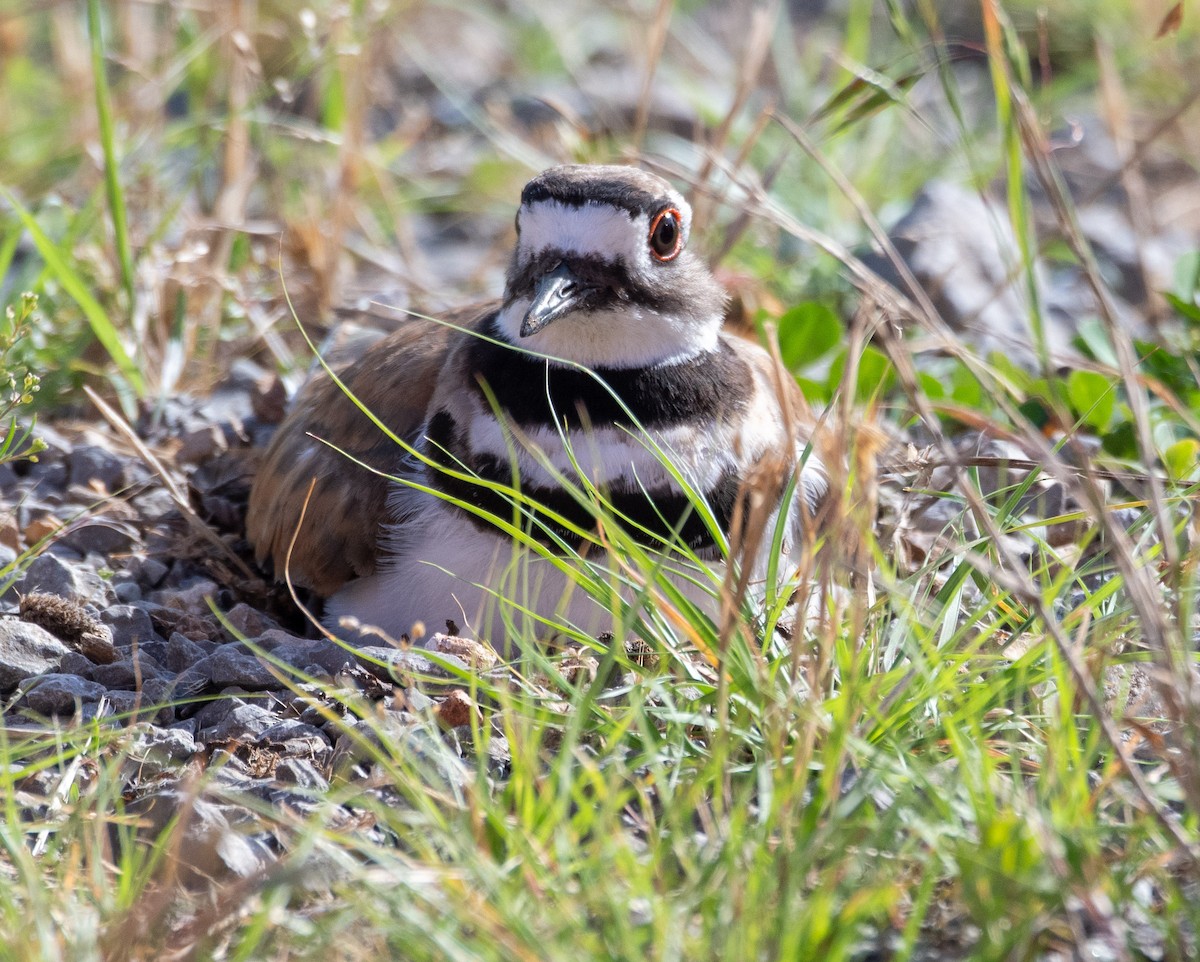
1181 457
1093 397
1187 276
807 333
815 392
1186 309
965 387
931 386
1093 338
875 374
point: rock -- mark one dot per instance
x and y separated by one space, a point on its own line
213 842
201 444
396 735
102 535
250 622
74 663
127 592
232 665
50 574
192 680
10 531
88 463
57 694
148 572
53 575
962 249
199 628
232 719
465 649
306 652
302 773
154 749
181 653
293 737
455 709
409 666
26 650
127 674
43 526
130 625
192 595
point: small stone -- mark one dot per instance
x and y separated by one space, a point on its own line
49 473
41 527
130 625
293 737
154 749
101 535
213 842
182 653
302 773
74 663
127 592
201 444
10 532
57 694
305 652
232 719
52 575
410 667
268 399
395 735
89 463
192 681
192 596
465 649
249 622
123 703
169 620
128 674
26 650
232 665
455 709
150 572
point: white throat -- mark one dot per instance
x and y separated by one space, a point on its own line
632 336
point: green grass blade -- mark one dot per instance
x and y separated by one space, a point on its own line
75 286
116 196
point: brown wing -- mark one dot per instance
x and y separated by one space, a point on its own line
339 540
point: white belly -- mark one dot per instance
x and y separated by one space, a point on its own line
490 588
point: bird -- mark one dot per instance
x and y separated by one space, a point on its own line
605 361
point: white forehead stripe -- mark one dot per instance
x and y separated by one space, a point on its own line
593 229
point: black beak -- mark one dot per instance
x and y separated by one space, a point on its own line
558 292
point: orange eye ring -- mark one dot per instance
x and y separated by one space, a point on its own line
666 235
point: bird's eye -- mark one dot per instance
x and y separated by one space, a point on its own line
666 234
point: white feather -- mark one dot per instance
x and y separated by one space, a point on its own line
419 588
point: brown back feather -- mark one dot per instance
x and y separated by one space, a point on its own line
339 540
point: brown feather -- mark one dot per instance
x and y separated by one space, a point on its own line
394 378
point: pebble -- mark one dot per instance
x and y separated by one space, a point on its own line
26 651
59 694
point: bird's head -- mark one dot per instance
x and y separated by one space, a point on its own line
601 273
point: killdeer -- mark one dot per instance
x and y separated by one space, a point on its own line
605 357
